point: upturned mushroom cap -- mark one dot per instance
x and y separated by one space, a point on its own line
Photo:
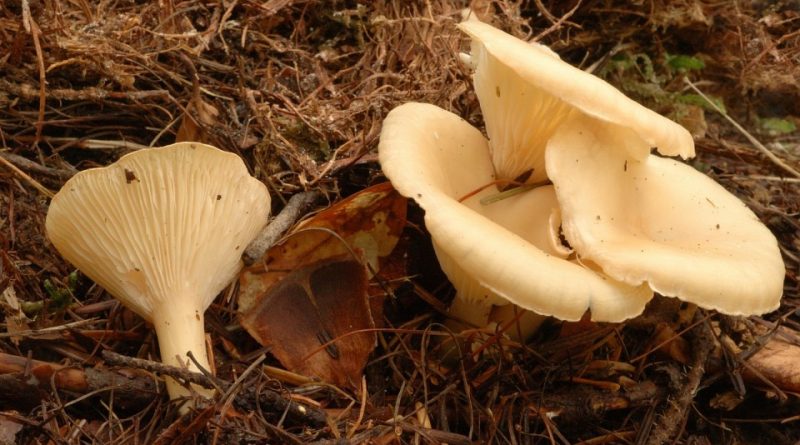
527 92
661 222
497 253
163 231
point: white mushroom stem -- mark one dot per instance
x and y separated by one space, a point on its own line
515 322
181 331
472 313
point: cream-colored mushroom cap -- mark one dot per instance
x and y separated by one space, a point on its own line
661 222
163 231
506 252
527 92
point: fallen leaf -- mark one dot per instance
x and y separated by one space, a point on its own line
317 321
307 298
16 320
367 224
777 361
199 115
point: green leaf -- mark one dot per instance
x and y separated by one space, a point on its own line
776 125
682 62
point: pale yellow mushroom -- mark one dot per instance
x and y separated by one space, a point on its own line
527 93
162 230
661 222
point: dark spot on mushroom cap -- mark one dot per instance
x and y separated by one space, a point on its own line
219 197
130 176
497 90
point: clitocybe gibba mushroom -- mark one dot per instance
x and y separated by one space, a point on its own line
634 222
162 230
662 222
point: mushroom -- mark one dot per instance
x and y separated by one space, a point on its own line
527 93
633 222
662 222
496 254
162 230
638 217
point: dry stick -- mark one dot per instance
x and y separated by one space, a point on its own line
90 93
278 226
26 164
767 152
131 389
665 430
556 24
248 396
33 29
42 189
84 144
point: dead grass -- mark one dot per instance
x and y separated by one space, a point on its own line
299 88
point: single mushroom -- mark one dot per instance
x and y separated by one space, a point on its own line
527 93
163 231
496 254
661 222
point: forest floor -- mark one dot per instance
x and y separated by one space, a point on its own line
299 89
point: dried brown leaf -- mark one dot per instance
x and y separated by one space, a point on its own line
307 298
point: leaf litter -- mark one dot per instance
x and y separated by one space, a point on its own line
298 88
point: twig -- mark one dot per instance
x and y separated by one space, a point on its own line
27 91
33 29
555 23
42 189
278 226
132 390
26 164
246 399
666 428
86 144
767 152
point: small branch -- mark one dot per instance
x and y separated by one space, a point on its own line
28 92
278 226
18 374
666 428
247 399
42 189
33 167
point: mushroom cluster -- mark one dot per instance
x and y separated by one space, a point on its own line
593 220
163 231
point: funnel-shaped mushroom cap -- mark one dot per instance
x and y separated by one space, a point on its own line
526 93
661 222
160 224
163 231
496 253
